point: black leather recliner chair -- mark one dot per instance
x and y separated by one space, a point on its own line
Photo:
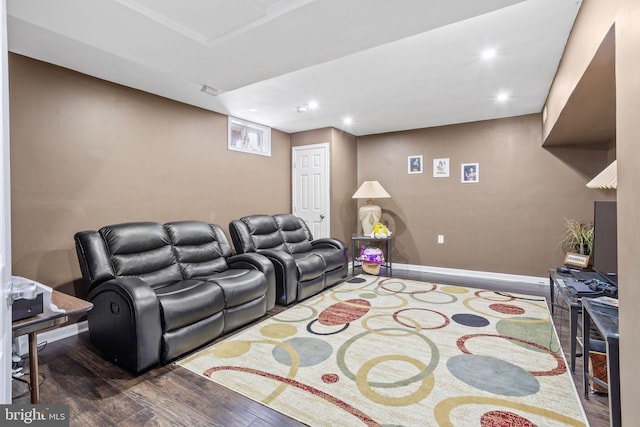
303 266
160 291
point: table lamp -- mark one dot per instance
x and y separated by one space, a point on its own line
370 214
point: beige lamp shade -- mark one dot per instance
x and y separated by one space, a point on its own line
370 214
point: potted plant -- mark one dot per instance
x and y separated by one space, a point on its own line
577 237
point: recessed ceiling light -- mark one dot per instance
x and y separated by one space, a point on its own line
488 54
302 109
313 104
503 97
253 110
347 120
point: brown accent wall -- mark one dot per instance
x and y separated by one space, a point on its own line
344 182
508 222
87 153
342 164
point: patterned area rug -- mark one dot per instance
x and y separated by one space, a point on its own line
391 352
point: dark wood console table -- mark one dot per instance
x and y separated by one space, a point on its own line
48 319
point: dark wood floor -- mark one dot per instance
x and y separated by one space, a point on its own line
99 393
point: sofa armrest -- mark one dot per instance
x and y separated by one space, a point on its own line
329 242
125 323
261 263
286 272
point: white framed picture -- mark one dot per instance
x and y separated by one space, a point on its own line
249 137
470 173
440 168
414 164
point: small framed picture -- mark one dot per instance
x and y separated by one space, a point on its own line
440 168
415 164
470 172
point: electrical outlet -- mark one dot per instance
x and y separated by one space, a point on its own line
440 238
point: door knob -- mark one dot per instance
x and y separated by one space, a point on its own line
321 216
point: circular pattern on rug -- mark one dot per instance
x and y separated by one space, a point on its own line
365 386
478 305
485 373
494 296
396 317
503 419
454 289
368 323
506 308
334 331
310 351
560 368
445 409
330 378
283 317
344 312
435 297
472 320
385 285
541 333
341 357
278 330
368 295
227 349
356 280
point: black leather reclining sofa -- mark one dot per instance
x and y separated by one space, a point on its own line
303 266
160 291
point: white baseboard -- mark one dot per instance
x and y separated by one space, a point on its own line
21 343
474 273
489 275
63 332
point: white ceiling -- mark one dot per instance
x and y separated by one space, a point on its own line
390 65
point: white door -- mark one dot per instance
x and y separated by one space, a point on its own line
311 187
5 215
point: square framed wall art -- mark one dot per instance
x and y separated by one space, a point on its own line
470 173
414 164
441 168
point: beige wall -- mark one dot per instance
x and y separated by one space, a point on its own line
342 164
86 153
508 222
628 147
344 182
591 26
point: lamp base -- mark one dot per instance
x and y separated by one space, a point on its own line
369 215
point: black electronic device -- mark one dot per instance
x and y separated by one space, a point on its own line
605 241
583 276
605 288
23 308
581 288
